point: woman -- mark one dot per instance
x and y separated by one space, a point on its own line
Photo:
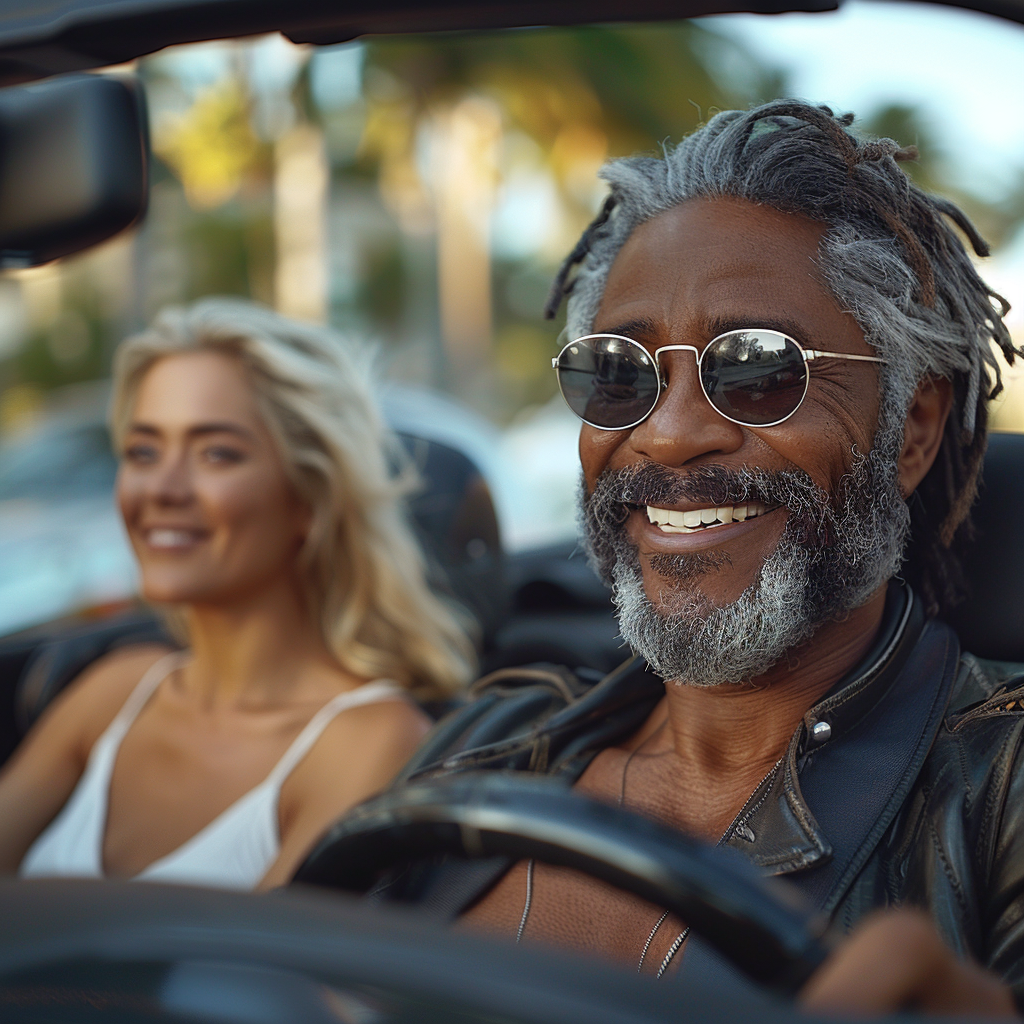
255 489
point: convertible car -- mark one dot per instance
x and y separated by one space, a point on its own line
72 173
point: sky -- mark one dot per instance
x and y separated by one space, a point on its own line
964 70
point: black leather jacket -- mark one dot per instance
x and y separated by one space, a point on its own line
912 795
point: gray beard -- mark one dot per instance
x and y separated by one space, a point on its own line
835 551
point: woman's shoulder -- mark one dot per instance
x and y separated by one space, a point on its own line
57 748
394 720
364 746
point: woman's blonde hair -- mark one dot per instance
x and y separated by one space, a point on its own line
365 572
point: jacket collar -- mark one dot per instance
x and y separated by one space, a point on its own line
776 828
854 757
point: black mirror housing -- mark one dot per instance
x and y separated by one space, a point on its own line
74 165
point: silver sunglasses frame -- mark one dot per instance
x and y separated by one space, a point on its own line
807 353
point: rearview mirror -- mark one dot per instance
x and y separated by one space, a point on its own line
73 165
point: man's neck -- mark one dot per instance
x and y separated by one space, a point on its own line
727 731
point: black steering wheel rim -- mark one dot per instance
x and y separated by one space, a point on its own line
760 925
328 939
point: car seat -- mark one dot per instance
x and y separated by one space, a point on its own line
990 622
454 518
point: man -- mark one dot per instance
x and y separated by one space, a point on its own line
781 354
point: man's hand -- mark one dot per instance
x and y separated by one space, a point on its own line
896 961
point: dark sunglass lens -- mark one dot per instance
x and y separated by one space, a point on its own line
755 377
608 381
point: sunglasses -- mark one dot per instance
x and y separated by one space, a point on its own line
756 378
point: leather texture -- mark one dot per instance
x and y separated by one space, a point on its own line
915 798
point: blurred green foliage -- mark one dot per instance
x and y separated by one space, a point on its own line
582 95
640 83
230 251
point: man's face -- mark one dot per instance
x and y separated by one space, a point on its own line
688 275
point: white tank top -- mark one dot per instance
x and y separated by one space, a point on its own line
234 851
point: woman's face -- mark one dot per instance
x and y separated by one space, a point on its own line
209 510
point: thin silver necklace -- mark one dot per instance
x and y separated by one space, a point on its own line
528 902
681 937
678 941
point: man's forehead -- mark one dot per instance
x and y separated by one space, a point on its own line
727 213
717 260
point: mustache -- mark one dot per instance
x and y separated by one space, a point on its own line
649 483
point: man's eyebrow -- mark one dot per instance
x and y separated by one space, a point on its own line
199 430
646 329
639 327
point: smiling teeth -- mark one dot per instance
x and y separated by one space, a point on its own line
170 538
694 520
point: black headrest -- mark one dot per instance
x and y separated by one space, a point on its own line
990 622
454 516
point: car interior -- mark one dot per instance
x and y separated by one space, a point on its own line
74 171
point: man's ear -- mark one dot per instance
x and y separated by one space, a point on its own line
922 434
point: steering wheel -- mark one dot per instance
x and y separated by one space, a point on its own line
759 924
